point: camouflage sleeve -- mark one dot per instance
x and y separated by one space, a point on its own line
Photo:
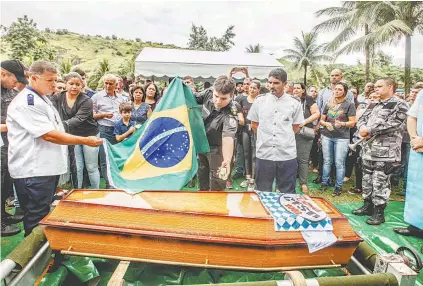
362 121
389 119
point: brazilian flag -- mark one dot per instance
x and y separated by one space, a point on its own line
162 153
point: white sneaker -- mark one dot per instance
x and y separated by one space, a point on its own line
244 184
251 187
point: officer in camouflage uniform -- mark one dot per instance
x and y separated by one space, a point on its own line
384 122
219 115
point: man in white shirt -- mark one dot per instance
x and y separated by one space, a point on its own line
37 155
276 117
106 112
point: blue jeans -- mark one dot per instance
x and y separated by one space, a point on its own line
334 149
106 132
88 156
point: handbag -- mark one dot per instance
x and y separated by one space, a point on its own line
306 132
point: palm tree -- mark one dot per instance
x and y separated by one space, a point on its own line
344 18
388 23
102 69
307 53
253 48
65 66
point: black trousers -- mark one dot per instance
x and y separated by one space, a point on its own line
208 178
35 197
249 146
6 180
285 173
314 153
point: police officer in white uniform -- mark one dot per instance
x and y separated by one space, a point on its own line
37 151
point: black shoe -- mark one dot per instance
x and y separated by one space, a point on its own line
366 209
409 231
9 230
355 191
318 180
237 176
11 219
323 187
378 216
337 192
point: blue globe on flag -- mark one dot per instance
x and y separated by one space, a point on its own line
165 142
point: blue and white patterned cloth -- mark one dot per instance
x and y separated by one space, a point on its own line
318 235
287 221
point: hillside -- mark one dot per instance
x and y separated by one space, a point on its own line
86 51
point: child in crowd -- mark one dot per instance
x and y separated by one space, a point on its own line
124 127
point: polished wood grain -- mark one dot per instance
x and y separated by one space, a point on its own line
219 228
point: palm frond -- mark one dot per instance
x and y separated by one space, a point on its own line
388 33
341 38
333 24
332 11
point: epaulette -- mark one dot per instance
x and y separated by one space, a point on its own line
30 99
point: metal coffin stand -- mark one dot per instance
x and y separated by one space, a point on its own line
227 230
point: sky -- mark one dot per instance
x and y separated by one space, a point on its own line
273 24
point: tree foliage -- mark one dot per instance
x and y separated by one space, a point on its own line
65 66
199 40
254 48
27 43
387 22
307 55
102 69
382 59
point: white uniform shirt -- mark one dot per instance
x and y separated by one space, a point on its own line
30 116
275 137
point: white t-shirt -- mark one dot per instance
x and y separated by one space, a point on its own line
30 116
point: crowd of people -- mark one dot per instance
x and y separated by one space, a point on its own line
269 133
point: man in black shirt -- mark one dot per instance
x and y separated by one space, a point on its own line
12 72
219 115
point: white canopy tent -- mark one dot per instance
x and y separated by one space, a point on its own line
201 65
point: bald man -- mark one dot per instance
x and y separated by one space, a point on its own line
326 94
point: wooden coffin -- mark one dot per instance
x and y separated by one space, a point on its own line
229 230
